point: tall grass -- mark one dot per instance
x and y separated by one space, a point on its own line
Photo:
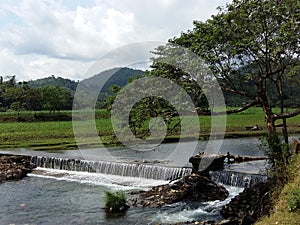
115 201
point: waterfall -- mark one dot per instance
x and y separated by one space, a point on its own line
115 168
237 179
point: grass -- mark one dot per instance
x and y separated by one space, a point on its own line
45 135
115 201
281 214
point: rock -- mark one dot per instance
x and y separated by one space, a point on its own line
296 147
229 222
248 206
216 162
254 128
14 167
210 162
194 187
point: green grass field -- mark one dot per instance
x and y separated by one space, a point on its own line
281 214
59 134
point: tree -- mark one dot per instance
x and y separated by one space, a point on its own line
252 48
56 98
32 99
262 35
161 67
12 94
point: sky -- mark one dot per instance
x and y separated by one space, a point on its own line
40 38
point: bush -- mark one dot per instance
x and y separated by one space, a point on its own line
279 155
293 199
115 201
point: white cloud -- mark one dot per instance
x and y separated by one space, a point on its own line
35 66
41 38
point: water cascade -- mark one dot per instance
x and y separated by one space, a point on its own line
237 179
115 168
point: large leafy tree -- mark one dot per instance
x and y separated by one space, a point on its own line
252 48
56 98
260 35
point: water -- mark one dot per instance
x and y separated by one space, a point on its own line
115 168
61 196
160 155
237 179
69 197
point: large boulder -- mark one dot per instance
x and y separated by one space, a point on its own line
194 187
14 167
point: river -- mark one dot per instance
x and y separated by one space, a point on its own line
51 196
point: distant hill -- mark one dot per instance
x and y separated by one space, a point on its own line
118 76
53 81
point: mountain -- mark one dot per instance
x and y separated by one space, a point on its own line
53 81
118 76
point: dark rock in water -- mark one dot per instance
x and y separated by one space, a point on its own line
14 167
194 187
204 162
250 205
209 162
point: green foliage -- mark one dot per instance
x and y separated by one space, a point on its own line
278 154
56 93
20 96
293 199
250 46
115 201
276 150
53 81
56 98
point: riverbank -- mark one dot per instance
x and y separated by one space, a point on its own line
282 213
43 132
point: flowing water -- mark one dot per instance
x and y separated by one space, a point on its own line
67 188
71 197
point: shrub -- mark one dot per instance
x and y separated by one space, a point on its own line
115 201
293 199
278 154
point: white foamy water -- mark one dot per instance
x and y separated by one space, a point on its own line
112 181
209 209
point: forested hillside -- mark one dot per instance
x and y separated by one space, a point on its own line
52 93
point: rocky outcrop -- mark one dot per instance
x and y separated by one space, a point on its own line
249 205
194 187
14 167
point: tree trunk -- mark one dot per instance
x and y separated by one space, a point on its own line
270 120
262 96
280 92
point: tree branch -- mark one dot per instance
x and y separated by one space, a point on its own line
287 115
247 106
239 92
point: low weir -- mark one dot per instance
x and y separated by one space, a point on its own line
237 179
142 170
115 168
